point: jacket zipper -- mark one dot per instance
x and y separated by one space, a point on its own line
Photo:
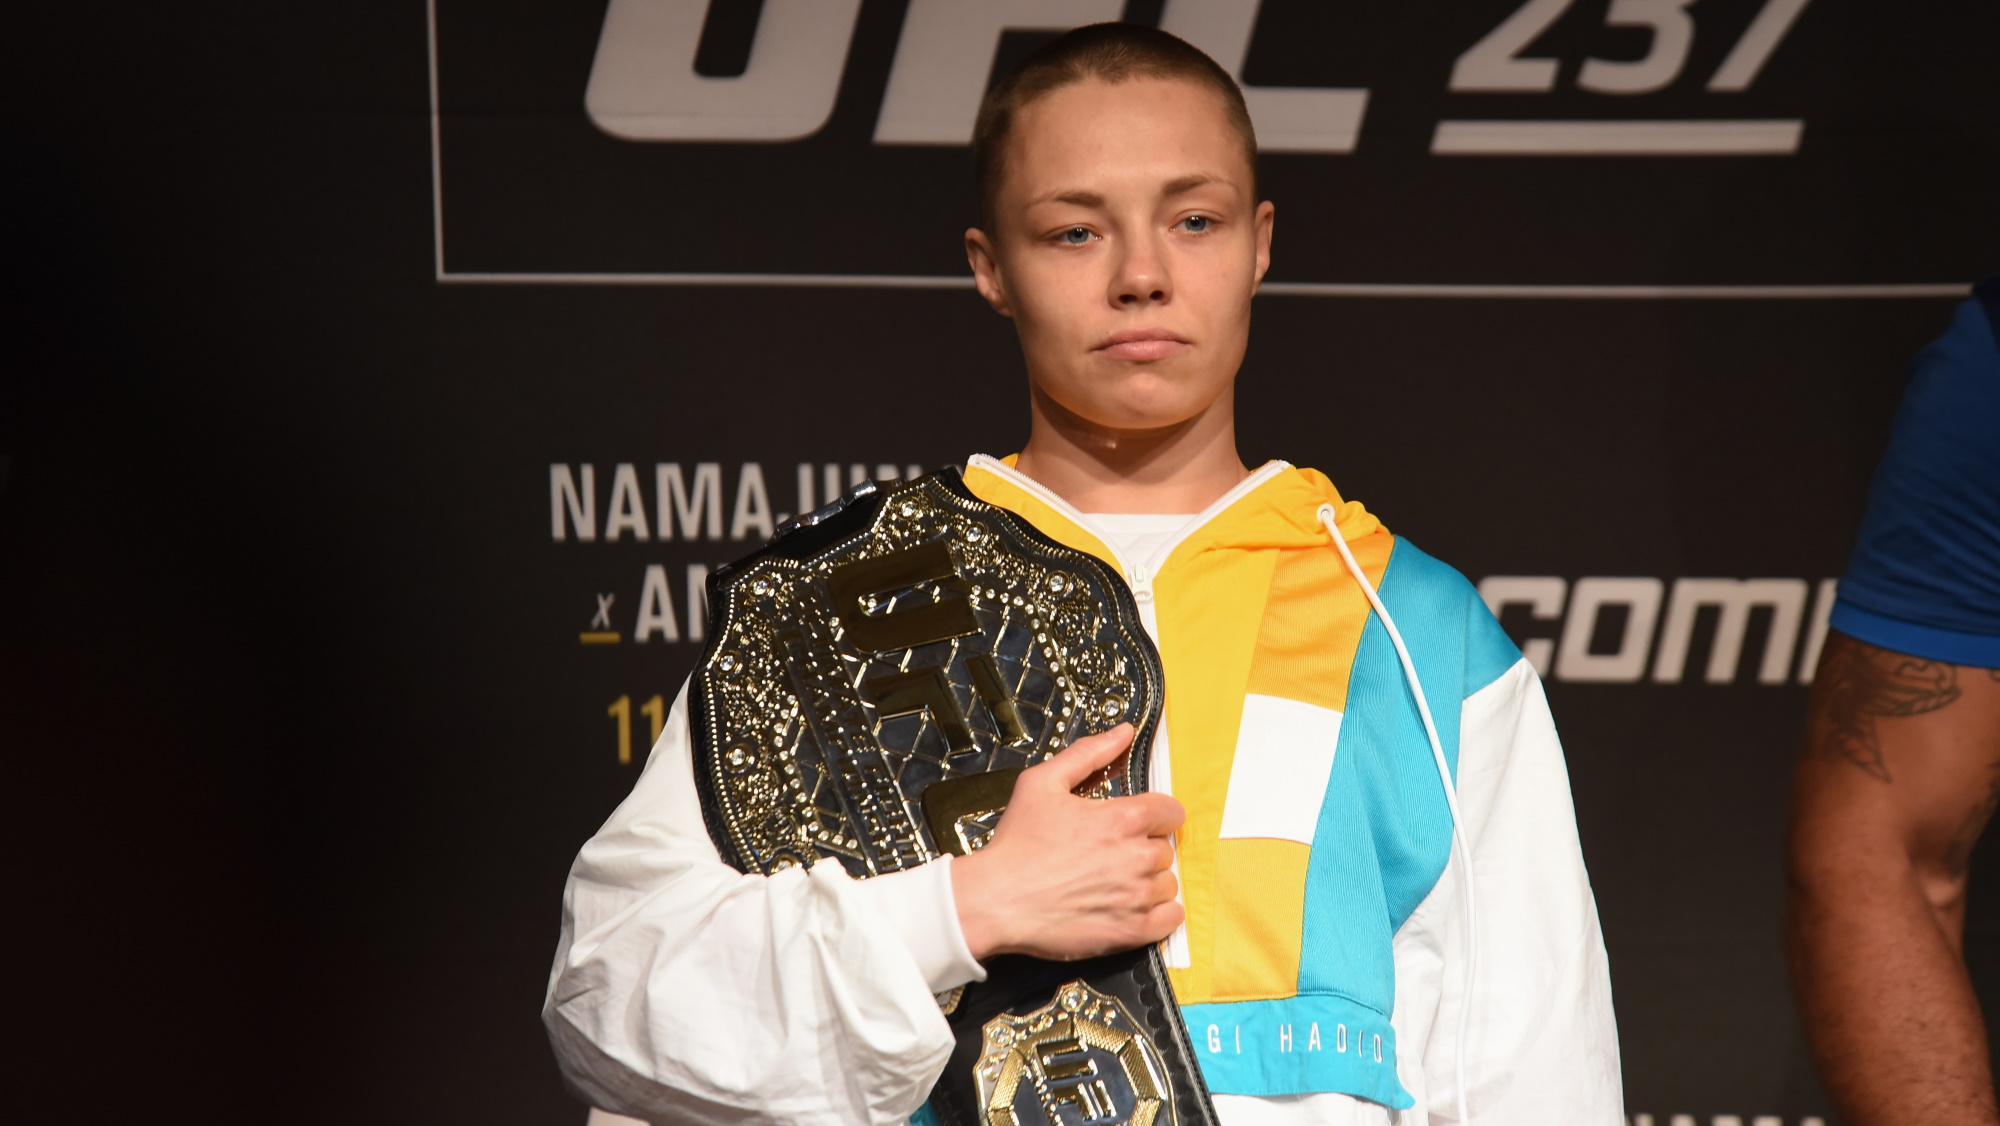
1140 579
1141 583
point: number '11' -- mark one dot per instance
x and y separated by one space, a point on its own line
654 709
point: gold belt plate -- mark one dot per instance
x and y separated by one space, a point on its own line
1080 1060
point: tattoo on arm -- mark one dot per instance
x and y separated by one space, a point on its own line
1863 684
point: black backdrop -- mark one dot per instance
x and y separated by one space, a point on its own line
299 711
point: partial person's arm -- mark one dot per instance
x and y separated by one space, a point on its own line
1543 1043
685 991
1899 774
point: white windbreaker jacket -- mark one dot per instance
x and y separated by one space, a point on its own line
1331 693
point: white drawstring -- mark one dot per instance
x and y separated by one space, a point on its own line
1326 517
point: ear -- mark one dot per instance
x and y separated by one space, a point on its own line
986 271
1266 216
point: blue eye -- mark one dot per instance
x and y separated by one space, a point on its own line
1195 224
1076 236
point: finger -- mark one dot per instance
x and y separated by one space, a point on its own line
1161 921
1153 815
1164 887
1163 854
1087 756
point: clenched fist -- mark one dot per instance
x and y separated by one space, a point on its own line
1066 877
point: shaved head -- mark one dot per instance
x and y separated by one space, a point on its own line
1108 52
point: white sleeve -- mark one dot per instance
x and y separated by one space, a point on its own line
686 991
1542 1042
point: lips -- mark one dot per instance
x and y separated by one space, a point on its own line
1142 345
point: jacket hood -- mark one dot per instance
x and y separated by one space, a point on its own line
1277 506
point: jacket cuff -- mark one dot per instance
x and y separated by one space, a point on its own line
919 907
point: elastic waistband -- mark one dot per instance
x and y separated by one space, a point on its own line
1297 1046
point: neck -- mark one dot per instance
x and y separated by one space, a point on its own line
1181 468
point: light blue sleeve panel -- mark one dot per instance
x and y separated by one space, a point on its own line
1385 806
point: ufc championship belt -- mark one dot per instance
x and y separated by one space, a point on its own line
875 680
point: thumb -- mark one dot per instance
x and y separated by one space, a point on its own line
1088 755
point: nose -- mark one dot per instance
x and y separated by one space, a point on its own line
1142 277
